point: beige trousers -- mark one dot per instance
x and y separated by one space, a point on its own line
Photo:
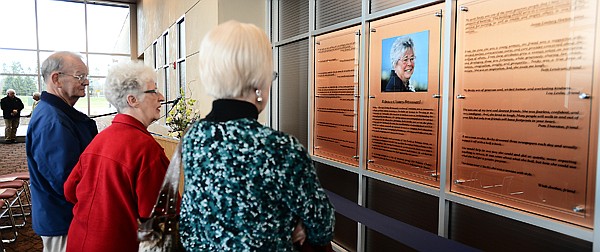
10 131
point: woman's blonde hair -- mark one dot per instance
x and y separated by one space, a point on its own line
235 59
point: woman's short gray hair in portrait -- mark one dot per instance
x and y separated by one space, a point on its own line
398 49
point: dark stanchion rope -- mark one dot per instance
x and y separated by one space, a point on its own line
174 102
408 235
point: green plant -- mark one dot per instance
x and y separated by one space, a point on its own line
181 116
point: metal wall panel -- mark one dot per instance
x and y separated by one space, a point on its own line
411 207
338 181
330 12
378 5
293 19
376 241
345 184
490 232
293 89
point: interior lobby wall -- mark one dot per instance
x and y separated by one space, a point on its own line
157 17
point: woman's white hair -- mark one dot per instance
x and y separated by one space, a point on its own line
127 78
235 59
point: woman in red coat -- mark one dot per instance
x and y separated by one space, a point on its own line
119 175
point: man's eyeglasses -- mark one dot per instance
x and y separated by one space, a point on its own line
275 75
80 78
151 91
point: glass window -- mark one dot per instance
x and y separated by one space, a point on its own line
24 85
61 25
108 29
25 96
166 81
160 79
181 72
18 62
166 44
98 103
166 62
160 53
17 18
181 56
99 64
154 45
82 103
45 55
181 39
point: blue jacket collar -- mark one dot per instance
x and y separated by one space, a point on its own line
55 101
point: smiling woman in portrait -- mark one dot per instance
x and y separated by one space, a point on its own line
405 63
402 55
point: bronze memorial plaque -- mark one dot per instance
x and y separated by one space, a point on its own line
404 87
522 113
335 131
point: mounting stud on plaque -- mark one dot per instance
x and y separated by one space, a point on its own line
318 42
371 96
461 181
435 174
491 186
357 32
460 97
317 147
579 209
464 8
584 96
373 30
436 96
355 157
370 161
438 14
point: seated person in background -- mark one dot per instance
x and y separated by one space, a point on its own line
402 56
246 185
119 175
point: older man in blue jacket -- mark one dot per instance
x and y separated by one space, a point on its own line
56 136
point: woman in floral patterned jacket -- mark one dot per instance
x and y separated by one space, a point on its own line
247 186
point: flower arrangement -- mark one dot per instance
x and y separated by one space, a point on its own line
181 116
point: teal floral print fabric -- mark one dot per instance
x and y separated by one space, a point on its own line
246 187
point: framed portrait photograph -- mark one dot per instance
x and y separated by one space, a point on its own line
405 63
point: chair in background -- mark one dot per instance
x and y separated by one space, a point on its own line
6 197
23 176
16 202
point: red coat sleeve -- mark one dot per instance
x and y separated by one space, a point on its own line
150 180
